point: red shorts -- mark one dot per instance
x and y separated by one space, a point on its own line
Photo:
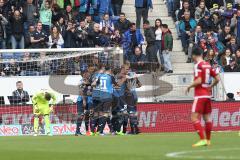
202 106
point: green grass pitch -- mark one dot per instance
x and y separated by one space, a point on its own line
225 146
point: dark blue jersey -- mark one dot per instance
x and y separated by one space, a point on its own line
96 90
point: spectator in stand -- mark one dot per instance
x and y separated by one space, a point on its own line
151 53
45 67
3 36
116 39
180 15
131 39
60 24
82 34
138 60
56 13
186 26
122 24
235 24
55 38
218 22
10 68
206 23
89 22
237 56
158 41
24 66
46 16
28 36
117 7
232 67
142 8
104 6
225 35
200 11
226 57
185 8
86 7
5 8
228 14
39 37
195 39
105 37
233 45
30 14
69 14
107 22
210 57
70 36
170 7
94 36
167 46
17 29
20 96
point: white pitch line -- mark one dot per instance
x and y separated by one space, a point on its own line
184 154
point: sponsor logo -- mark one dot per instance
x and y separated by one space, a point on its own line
10 130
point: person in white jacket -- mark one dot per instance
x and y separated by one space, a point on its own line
55 38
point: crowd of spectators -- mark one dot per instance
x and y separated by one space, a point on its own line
37 24
214 25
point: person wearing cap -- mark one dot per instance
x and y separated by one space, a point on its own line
228 13
206 22
200 11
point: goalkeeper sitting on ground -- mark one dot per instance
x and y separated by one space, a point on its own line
41 107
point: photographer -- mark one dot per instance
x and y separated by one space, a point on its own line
39 37
70 36
82 34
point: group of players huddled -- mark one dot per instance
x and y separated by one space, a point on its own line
108 97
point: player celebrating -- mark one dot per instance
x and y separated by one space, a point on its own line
41 102
202 97
106 82
84 103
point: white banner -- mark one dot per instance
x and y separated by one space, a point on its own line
34 84
231 83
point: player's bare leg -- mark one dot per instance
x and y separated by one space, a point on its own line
198 127
208 128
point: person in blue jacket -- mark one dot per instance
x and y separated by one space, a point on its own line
131 39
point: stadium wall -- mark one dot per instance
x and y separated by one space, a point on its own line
153 118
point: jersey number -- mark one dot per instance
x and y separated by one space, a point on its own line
207 76
103 84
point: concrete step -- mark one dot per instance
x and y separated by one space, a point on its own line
178 57
156 10
183 68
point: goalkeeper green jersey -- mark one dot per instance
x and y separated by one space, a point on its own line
39 99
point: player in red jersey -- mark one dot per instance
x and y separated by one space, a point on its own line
205 78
